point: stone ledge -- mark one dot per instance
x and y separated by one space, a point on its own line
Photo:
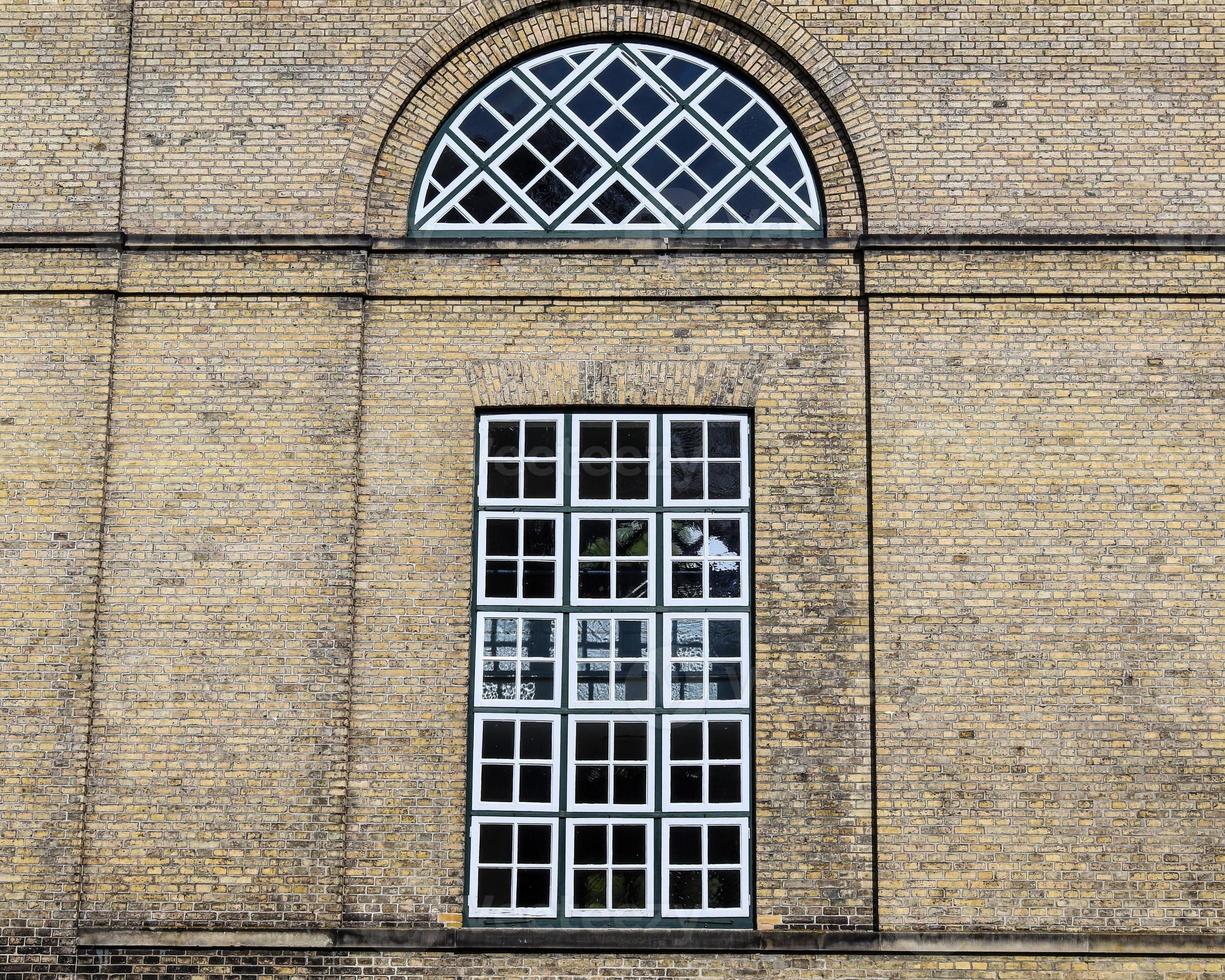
664 940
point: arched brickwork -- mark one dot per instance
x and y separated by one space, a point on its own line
415 98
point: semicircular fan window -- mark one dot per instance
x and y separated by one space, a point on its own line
616 138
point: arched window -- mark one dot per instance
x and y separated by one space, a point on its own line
617 138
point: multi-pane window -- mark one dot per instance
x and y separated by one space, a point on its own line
611 746
617 137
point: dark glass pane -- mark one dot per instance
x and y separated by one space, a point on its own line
724 739
724 784
631 638
685 889
723 845
686 481
552 73
537 680
497 783
448 167
498 740
655 166
535 784
594 580
684 73
577 165
595 440
687 637
687 538
595 481
493 887
593 638
629 741
539 538
631 580
685 845
495 844
633 440
540 439
590 845
537 638
725 101
482 128
724 440
550 140
522 167
629 785
684 140
786 166
725 681
589 889
686 580
503 479
753 128
686 784
535 842
501 579
683 193
591 740
723 889
617 78
686 440
591 680
632 540
503 439
687 682
501 637
687 740
591 784
644 105
535 740
629 844
589 104
532 888
724 481
502 537
540 479
511 101
632 481
631 681
593 538
724 538
549 193
725 580
711 166
616 203
629 889
498 679
538 580
482 202
751 202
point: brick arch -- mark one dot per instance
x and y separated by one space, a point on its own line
430 80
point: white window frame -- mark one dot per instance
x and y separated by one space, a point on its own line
513 912
612 559
519 659
652 460
744 660
608 867
666 867
706 559
649 660
745 763
479 760
572 763
746 490
558 558
484 459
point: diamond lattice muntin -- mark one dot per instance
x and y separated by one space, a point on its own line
616 138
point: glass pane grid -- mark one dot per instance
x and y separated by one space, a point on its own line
611 680
617 138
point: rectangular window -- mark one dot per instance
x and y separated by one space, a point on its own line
610 758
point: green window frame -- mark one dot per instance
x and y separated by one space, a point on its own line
610 756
